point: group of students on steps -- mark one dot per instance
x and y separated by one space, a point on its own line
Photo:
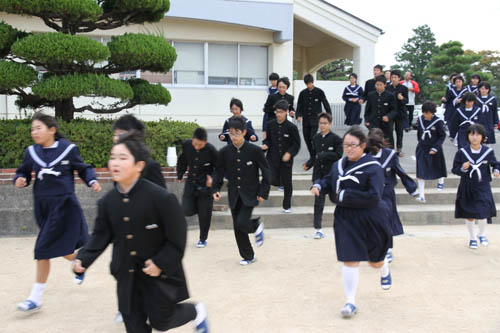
147 225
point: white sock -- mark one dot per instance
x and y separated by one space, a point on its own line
482 227
37 293
421 188
201 314
319 230
350 278
470 227
441 180
384 270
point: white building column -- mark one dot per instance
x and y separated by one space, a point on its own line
363 57
282 59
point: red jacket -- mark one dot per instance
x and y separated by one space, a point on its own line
416 88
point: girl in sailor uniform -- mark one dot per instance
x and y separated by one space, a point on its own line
454 97
57 212
352 94
473 85
356 183
488 105
429 152
466 116
389 161
236 107
474 198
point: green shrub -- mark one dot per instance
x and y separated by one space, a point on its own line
93 137
69 9
16 75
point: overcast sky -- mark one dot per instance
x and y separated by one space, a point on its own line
475 23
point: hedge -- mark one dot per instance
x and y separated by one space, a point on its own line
93 137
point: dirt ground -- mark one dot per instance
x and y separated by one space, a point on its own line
439 285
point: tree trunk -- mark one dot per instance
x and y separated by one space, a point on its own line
65 109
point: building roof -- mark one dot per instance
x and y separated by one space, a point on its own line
353 16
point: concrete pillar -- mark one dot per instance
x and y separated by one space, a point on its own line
282 59
363 57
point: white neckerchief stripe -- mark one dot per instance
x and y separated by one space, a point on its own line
34 156
475 165
63 155
388 159
353 92
427 129
468 119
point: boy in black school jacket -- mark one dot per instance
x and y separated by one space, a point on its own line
309 107
327 149
381 110
240 163
282 144
200 157
283 85
400 93
370 84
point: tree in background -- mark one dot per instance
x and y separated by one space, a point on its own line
488 67
337 70
76 65
416 54
450 58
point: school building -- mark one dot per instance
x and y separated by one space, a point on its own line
227 48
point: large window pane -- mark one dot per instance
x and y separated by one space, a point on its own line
223 64
189 67
253 65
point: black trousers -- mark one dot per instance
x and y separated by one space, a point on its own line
309 130
281 175
161 312
243 225
410 109
399 123
198 200
387 128
319 205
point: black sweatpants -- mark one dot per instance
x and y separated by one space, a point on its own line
319 205
163 314
243 225
281 175
410 109
309 132
198 200
399 123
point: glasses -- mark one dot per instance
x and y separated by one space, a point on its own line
235 135
350 145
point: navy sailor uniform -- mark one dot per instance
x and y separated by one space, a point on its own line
430 135
63 228
474 198
463 119
452 97
248 126
352 110
489 107
360 219
389 161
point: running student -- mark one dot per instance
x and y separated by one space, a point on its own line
389 161
236 107
58 214
453 99
352 96
148 230
356 183
474 164
327 149
199 158
429 153
465 116
240 162
489 106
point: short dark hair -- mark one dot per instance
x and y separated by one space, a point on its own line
379 67
476 129
128 123
274 76
396 72
376 140
237 123
354 75
429 106
285 80
458 77
282 105
237 102
200 133
452 76
469 97
476 76
357 132
380 78
484 84
308 78
133 141
325 115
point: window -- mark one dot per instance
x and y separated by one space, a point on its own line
253 65
189 67
223 64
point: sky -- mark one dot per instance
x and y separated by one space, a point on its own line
448 20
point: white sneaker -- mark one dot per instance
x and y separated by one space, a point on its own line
319 234
420 199
287 211
245 262
119 318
